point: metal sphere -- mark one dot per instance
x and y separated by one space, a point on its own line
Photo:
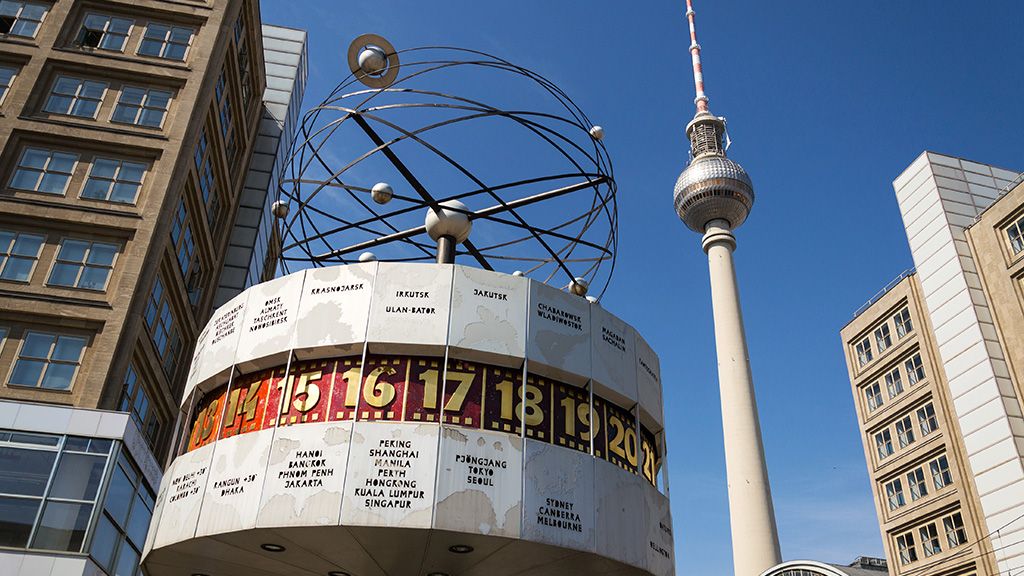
373 61
518 274
579 286
713 187
382 193
367 257
449 222
597 132
280 209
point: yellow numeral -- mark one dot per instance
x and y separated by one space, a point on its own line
376 392
623 441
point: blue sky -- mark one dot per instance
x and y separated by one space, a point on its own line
827 102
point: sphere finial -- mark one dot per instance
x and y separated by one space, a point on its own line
382 193
448 222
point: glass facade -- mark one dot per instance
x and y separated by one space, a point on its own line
73 494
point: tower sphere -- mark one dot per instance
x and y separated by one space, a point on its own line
454 223
713 187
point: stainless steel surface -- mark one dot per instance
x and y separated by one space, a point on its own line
713 187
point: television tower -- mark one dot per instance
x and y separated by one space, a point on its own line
713 196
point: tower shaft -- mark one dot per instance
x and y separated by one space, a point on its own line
755 539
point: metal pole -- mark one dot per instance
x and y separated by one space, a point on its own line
446 250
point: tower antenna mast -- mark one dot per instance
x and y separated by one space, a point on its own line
698 71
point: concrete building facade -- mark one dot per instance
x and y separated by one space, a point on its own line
964 282
127 130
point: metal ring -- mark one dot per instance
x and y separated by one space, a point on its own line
390 73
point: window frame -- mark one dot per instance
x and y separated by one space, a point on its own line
77 96
5 87
939 469
873 396
43 172
84 264
78 42
863 351
917 484
956 527
161 305
167 41
114 180
884 438
1016 242
903 322
48 360
894 384
6 254
905 431
906 548
883 336
149 423
142 106
914 366
39 23
929 533
926 414
894 490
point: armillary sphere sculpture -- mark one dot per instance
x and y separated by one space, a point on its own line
393 166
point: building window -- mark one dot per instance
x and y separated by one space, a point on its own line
18 255
894 494
940 472
226 116
181 236
142 107
104 32
915 369
203 157
83 264
114 180
954 527
169 42
21 18
883 442
883 338
160 322
905 431
915 481
48 503
903 324
926 419
135 401
1016 235
905 545
121 528
47 361
75 97
894 383
929 539
7 75
244 64
873 393
864 351
46 171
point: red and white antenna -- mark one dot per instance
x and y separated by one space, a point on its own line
698 72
